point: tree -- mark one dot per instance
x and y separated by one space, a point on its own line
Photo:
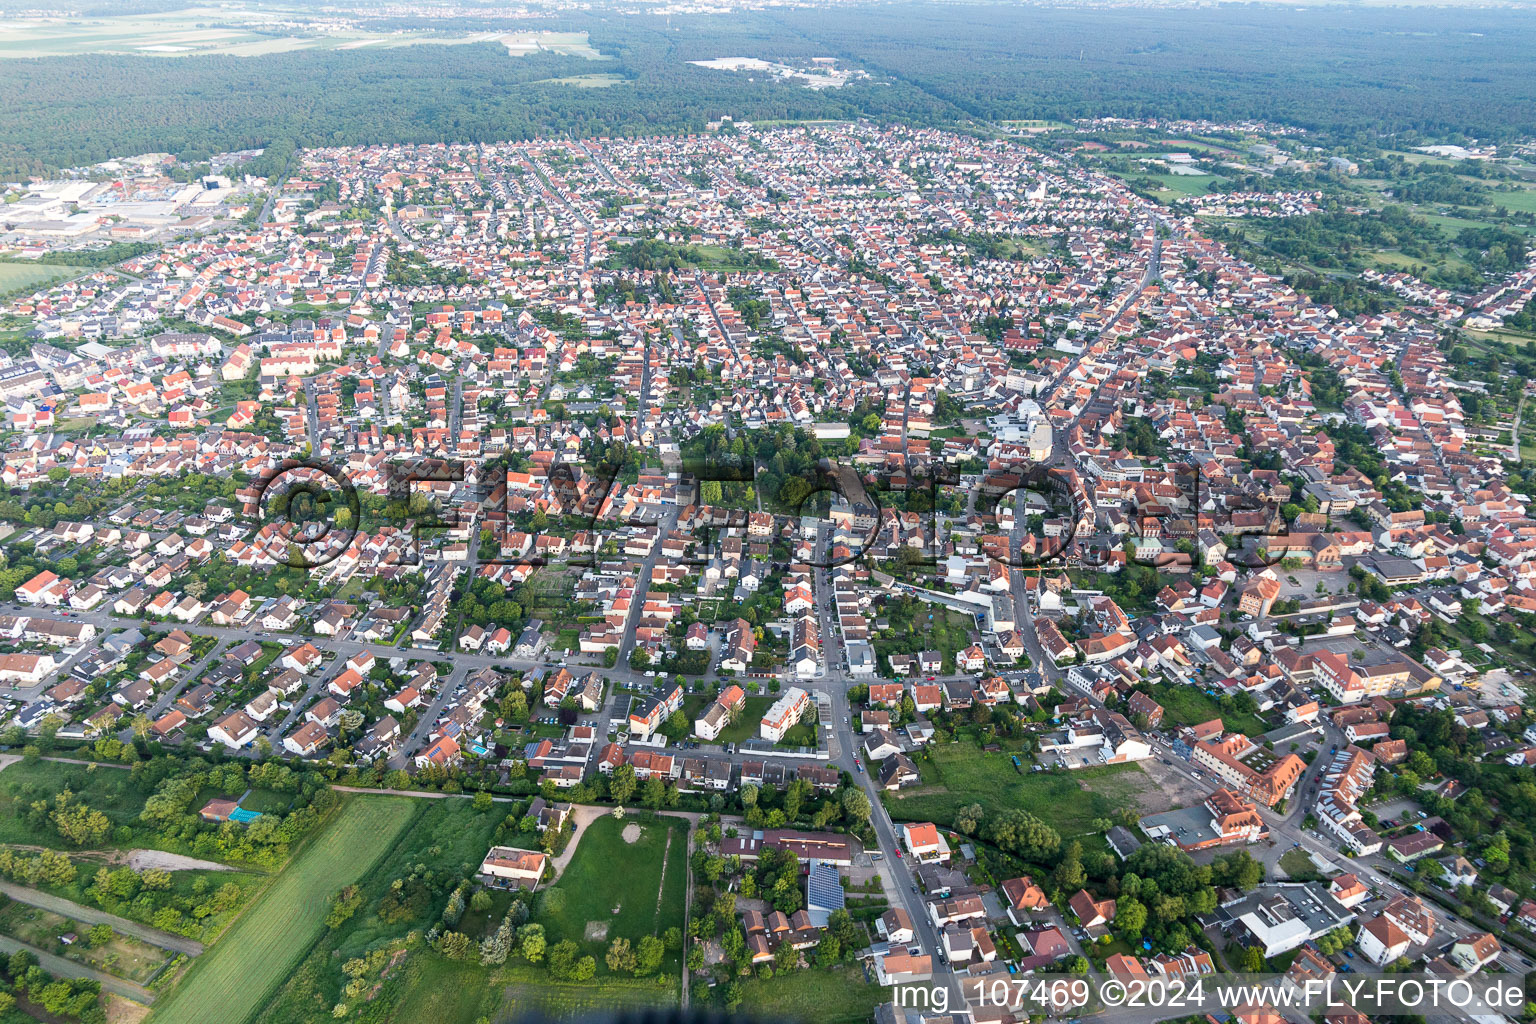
655 792
482 802
1130 917
531 942
968 819
1253 960
454 945
562 960
1022 834
1238 870
99 935
1069 875
620 956
650 953
621 785
856 805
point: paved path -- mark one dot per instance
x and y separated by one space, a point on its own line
63 968
90 915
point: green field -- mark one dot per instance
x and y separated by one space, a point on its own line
109 790
1189 184
837 996
1189 705
261 949
24 277
969 775
621 885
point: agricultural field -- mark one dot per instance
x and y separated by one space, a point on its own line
447 834
644 897
1069 801
23 277
121 956
261 949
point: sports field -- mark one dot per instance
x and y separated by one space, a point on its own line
234 979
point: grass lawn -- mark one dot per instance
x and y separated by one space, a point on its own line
264 801
1298 865
745 726
607 875
260 950
1188 184
1189 705
838 996
802 734
969 775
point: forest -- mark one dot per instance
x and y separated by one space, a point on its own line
1350 73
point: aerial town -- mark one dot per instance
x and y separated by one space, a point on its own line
924 560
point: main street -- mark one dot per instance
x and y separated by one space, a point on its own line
894 869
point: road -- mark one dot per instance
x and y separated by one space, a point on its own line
446 691
895 871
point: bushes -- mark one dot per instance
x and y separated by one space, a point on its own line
77 998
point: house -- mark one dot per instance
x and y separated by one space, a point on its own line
407 698
1046 944
304 658
1223 818
784 713
234 730
1475 952
881 744
443 752
1094 915
1411 915
548 816
25 669
1348 891
505 867
1021 896
897 771
307 739
1381 941
720 713
895 926
925 843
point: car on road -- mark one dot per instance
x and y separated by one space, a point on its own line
898 853
914 888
